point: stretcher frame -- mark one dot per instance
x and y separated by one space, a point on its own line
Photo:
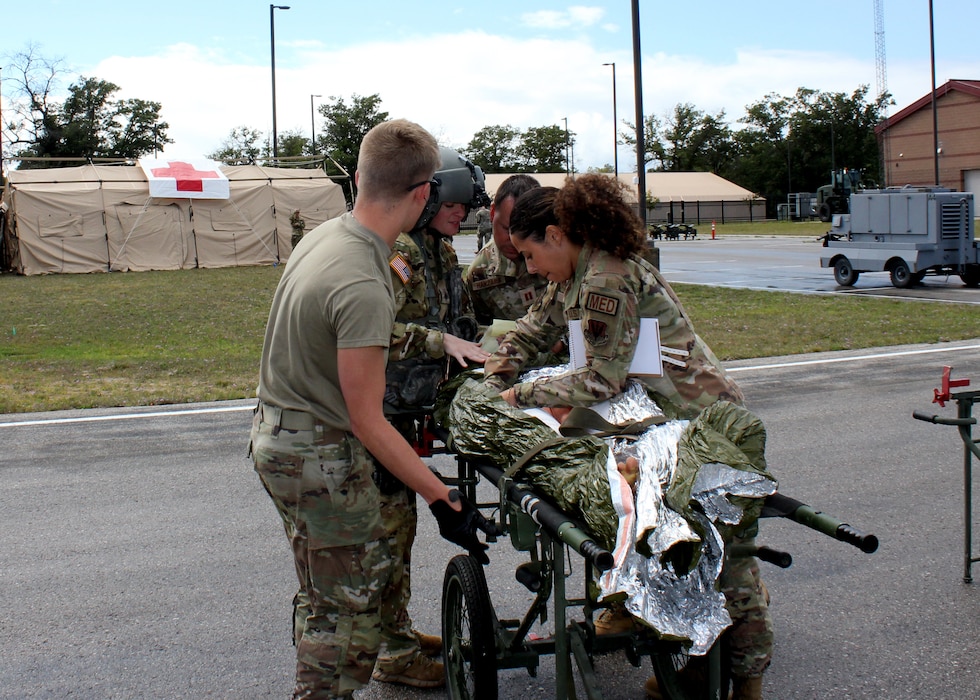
487 644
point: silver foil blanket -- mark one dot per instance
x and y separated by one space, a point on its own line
666 562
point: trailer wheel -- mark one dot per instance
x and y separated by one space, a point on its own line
468 632
844 273
901 276
971 276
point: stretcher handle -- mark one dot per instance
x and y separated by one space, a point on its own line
783 560
941 420
778 505
552 520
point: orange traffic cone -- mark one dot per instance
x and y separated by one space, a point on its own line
712 230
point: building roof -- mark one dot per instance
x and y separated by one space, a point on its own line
665 186
969 87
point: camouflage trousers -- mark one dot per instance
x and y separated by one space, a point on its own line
320 482
751 634
399 645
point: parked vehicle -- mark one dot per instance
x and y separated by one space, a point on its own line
835 198
909 232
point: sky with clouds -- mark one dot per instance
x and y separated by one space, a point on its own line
456 66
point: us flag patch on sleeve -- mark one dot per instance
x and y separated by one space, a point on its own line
401 268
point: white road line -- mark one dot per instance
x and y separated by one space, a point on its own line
251 406
832 360
128 416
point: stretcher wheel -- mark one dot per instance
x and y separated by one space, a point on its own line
468 632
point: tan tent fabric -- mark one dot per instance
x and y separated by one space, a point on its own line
97 218
665 186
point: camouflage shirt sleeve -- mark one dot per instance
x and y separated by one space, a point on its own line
536 332
608 309
410 339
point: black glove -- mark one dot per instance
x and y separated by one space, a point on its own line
460 527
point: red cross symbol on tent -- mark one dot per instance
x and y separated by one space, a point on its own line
189 179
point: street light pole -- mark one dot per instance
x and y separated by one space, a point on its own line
641 176
615 137
567 173
313 126
272 42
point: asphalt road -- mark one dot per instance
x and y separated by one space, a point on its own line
142 559
773 263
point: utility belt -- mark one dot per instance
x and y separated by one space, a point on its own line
294 421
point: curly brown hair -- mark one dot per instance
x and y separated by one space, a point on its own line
591 208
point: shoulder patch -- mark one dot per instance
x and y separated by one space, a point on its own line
401 268
602 303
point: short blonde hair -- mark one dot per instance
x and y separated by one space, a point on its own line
395 155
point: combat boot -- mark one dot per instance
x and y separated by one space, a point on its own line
430 644
746 688
614 620
420 672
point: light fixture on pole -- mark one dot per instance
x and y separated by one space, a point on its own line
272 42
615 137
567 173
313 126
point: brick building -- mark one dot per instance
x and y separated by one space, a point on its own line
908 139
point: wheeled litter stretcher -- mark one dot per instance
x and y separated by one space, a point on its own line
478 644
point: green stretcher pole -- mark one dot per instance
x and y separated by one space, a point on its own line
778 505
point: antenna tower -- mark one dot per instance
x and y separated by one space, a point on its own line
881 83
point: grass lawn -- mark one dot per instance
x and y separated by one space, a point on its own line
150 338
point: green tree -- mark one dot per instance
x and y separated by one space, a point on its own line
494 148
293 144
90 123
29 114
694 140
654 151
345 126
241 147
686 140
542 149
791 144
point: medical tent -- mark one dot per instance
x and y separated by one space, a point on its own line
102 218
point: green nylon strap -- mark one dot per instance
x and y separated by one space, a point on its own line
531 454
584 421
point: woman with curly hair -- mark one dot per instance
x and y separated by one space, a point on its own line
587 240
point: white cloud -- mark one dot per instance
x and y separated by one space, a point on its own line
455 84
575 16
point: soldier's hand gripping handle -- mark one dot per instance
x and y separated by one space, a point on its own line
460 526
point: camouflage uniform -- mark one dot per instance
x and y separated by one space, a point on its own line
429 300
610 296
336 290
499 287
322 487
484 227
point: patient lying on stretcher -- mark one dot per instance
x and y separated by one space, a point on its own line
662 497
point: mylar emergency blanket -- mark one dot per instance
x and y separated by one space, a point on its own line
698 482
